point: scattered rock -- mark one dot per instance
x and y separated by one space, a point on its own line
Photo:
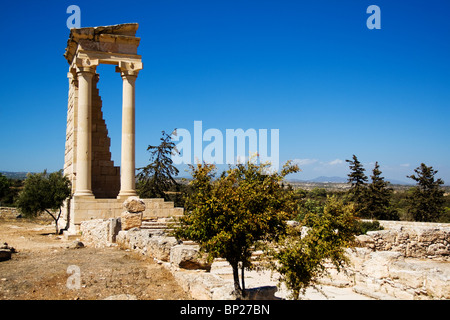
75 245
6 246
131 220
134 205
188 257
5 254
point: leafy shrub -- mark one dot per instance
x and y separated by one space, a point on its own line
363 226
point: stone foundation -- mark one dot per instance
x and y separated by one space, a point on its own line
91 208
373 272
412 239
407 260
389 275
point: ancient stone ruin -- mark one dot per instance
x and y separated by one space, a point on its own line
404 261
99 187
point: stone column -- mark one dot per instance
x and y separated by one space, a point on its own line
127 166
85 73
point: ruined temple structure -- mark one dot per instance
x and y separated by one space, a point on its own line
99 188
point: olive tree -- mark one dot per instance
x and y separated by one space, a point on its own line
43 192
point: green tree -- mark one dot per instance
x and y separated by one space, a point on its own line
9 189
43 192
378 197
4 186
426 200
301 255
229 215
157 178
358 190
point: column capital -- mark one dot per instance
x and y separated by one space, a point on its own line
72 76
86 65
129 69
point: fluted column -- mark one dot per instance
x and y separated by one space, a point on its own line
85 73
129 74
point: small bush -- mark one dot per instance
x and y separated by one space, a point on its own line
363 226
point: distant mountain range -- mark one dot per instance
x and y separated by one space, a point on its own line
329 179
321 179
334 179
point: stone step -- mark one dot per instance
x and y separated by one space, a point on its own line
165 225
372 294
189 243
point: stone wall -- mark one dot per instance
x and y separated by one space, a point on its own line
100 233
389 275
407 260
92 209
412 239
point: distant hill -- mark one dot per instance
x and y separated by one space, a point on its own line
14 175
329 179
393 181
322 179
334 179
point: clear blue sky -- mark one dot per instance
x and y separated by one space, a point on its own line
311 69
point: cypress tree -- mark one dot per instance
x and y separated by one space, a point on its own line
426 199
155 179
378 200
358 189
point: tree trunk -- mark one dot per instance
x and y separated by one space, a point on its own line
243 280
55 218
237 288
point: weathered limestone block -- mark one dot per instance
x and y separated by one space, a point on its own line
134 205
145 242
438 249
403 272
131 220
437 283
204 285
402 237
430 235
365 241
188 257
377 266
134 239
100 232
159 247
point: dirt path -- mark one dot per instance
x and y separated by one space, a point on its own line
39 269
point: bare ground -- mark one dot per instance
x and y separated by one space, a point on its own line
39 269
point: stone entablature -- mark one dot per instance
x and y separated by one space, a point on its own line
109 44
